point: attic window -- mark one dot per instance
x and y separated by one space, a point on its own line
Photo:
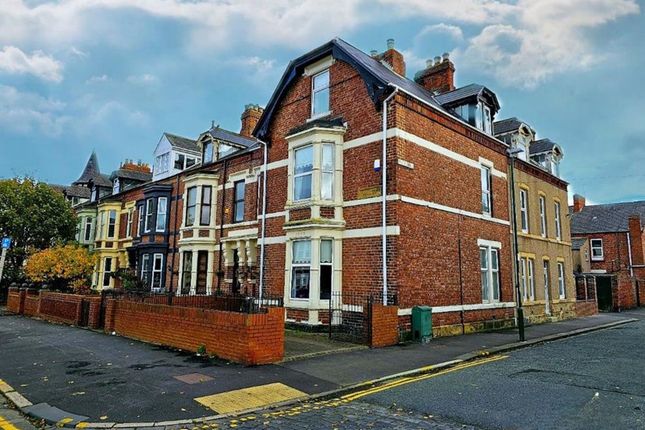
320 94
207 155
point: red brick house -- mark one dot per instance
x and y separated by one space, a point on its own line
446 199
615 244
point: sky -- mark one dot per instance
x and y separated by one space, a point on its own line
113 75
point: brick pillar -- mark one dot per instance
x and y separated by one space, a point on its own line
110 311
636 239
384 322
21 305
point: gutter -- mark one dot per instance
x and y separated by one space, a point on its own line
384 196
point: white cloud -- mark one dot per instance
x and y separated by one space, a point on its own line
543 38
14 61
467 11
451 30
24 113
97 79
144 79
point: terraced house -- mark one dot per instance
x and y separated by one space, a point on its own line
354 181
544 237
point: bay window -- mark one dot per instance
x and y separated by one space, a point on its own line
303 172
141 215
107 270
128 229
149 215
300 269
88 229
327 172
187 272
205 209
191 203
145 269
162 208
111 224
489 270
320 94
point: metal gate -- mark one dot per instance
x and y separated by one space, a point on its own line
4 294
349 318
604 292
85 313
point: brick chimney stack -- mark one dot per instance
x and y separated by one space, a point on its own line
578 203
636 239
250 118
392 57
138 167
438 76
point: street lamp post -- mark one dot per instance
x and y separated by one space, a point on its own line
520 311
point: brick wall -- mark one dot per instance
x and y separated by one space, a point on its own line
32 303
59 307
384 325
245 338
16 300
585 308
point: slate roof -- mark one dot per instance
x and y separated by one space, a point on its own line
72 190
326 122
577 243
378 78
182 142
451 98
507 125
542 145
234 138
609 218
131 174
92 173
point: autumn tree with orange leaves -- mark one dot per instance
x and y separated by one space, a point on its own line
62 267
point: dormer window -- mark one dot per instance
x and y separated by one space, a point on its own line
207 153
487 122
162 163
116 187
320 94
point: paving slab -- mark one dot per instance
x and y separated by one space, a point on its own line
54 415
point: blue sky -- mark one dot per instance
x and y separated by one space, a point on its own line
113 75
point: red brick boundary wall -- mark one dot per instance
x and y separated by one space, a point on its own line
244 338
586 308
55 307
384 325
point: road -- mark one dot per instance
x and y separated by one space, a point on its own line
593 381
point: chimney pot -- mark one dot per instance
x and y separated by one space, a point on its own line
390 43
429 63
445 56
373 53
437 60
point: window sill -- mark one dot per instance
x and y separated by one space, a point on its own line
318 116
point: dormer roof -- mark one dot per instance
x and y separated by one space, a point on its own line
509 125
463 95
182 142
229 138
544 146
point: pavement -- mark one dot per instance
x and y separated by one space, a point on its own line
78 376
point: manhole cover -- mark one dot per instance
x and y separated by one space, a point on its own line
193 378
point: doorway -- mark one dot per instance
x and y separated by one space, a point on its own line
604 292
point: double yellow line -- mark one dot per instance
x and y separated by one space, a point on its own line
411 379
6 425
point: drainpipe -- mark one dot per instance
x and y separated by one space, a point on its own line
264 220
629 250
384 195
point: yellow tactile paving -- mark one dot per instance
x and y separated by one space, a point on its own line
6 425
248 398
4 387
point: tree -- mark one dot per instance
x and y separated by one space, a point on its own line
36 217
62 267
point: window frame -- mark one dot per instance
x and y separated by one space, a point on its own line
492 274
128 225
544 231
141 220
487 119
329 172
156 257
562 285
149 217
309 173
87 232
161 216
486 190
238 213
106 272
558 222
295 266
190 206
206 205
531 277
111 225
524 210
145 269
601 257
186 272
315 91
329 264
